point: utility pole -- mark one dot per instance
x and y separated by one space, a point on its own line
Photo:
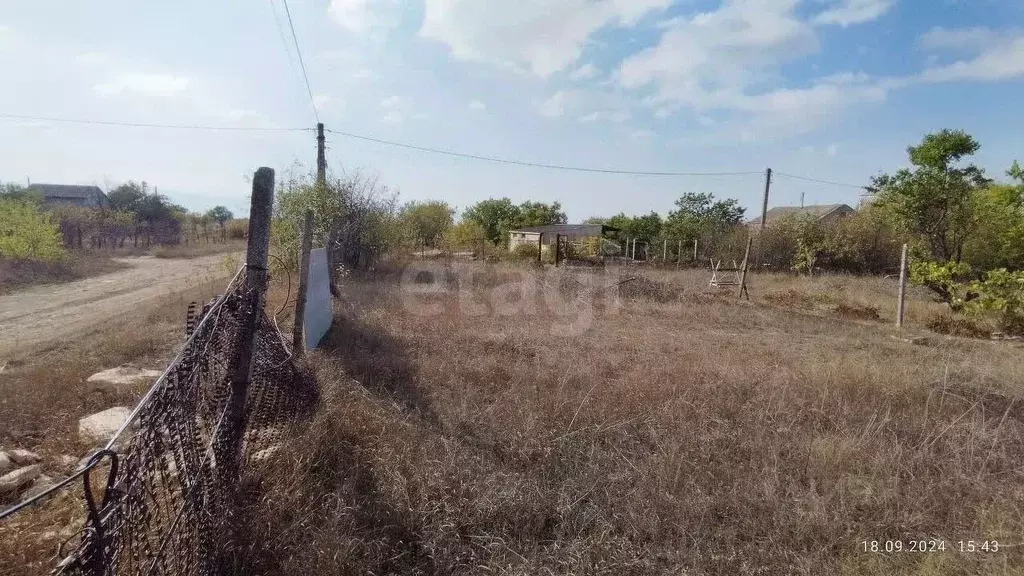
321 155
767 187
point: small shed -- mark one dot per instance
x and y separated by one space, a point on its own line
574 233
87 196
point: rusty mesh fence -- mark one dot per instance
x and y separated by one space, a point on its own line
159 498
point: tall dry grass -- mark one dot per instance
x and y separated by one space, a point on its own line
684 432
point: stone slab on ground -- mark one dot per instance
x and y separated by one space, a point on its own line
101 426
42 484
24 457
121 379
14 481
6 464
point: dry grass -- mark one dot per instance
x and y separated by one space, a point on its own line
15 274
683 433
79 264
197 249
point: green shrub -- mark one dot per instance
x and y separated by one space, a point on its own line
525 252
26 233
1001 294
947 280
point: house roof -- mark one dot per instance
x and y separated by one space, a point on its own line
66 191
816 211
570 229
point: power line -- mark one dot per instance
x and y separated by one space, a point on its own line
302 63
149 125
280 34
819 181
534 164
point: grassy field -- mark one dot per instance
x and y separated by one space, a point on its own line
670 429
680 432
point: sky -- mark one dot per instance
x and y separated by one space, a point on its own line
831 90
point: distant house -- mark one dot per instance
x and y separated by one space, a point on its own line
824 213
87 196
574 233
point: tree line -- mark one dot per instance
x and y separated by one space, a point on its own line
32 229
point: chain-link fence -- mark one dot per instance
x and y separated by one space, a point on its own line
159 498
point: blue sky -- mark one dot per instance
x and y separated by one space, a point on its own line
828 89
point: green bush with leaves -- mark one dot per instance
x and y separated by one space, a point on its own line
948 280
1001 293
27 233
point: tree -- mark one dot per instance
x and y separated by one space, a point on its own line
699 216
495 216
128 196
539 214
427 221
221 216
934 199
464 235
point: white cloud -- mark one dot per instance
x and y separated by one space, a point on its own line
585 72
976 38
155 84
1002 61
712 58
93 58
390 102
554 106
321 100
363 74
832 149
641 134
361 16
662 113
848 12
537 37
620 116
393 117
477 105
705 120
592 117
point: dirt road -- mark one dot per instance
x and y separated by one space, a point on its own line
43 313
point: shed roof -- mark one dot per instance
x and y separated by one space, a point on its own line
570 229
816 211
66 190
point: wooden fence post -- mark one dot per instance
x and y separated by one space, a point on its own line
694 249
298 333
540 248
679 254
228 444
903 287
743 272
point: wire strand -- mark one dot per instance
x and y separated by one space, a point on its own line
817 180
302 63
150 125
533 164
